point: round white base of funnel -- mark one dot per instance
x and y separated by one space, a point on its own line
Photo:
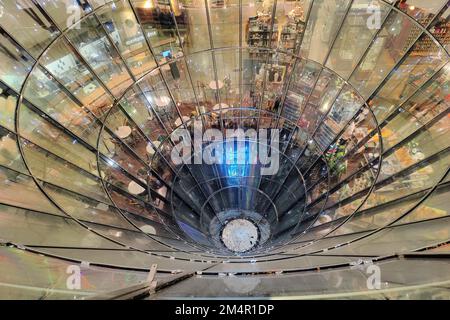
240 235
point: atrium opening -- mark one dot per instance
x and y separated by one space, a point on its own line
189 149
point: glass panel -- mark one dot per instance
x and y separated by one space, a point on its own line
8 103
327 88
257 23
422 11
139 109
413 175
46 230
254 69
192 25
377 217
93 44
343 110
227 64
134 239
440 27
127 258
431 100
49 168
400 239
279 67
19 190
86 208
360 24
46 94
326 284
156 93
42 133
302 83
178 81
16 63
30 276
412 181
159 26
290 24
406 123
436 206
418 148
150 227
224 23
417 68
9 151
65 65
324 21
66 13
28 24
125 130
397 36
119 21
134 205
203 77
300 263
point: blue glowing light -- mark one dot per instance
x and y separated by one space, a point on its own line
236 162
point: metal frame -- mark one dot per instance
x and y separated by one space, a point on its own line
21 99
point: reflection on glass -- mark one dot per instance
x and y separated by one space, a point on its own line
440 28
43 133
436 206
65 65
422 11
160 28
192 24
93 44
391 43
324 21
416 69
345 107
8 103
46 94
19 190
360 24
119 21
66 13
224 23
9 151
28 24
16 63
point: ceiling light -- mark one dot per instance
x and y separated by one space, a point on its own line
149 4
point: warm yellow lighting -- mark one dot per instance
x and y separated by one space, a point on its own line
175 7
149 4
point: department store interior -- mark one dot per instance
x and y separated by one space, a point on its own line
93 92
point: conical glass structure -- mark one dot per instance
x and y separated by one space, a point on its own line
246 148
